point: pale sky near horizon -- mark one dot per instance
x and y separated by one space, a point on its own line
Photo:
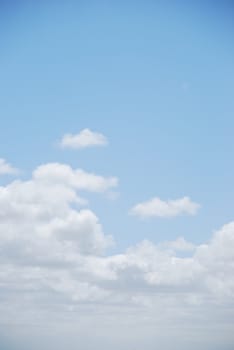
116 175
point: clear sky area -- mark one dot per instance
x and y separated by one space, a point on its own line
116 175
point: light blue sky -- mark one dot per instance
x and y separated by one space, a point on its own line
155 77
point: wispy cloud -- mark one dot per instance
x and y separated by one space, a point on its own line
85 138
156 207
7 168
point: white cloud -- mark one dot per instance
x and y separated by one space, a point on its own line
180 244
55 269
42 231
56 173
6 168
156 207
85 138
39 214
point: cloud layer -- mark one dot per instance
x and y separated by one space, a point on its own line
85 138
156 207
55 265
45 231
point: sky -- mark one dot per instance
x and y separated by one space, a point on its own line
116 175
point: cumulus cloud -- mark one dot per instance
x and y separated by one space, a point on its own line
46 234
39 214
56 173
55 265
156 207
6 168
85 138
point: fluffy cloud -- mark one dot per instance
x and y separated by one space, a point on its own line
85 138
43 229
55 265
6 168
40 214
61 174
156 207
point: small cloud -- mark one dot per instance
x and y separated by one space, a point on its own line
85 138
156 207
7 169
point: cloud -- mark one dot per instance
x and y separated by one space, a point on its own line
180 244
156 207
56 173
6 168
39 214
57 272
45 234
85 138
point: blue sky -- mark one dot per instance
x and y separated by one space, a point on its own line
155 77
